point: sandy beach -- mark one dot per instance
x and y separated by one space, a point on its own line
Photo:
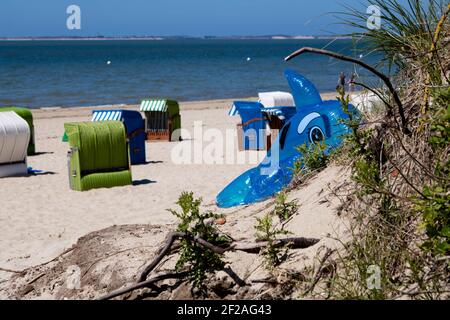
288 153
40 216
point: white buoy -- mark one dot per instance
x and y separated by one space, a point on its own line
108 62
249 59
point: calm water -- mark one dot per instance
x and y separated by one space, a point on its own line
76 73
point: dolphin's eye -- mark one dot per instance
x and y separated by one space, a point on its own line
316 135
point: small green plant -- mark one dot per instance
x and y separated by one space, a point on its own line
284 209
366 174
267 231
440 126
314 156
354 138
435 202
198 260
436 219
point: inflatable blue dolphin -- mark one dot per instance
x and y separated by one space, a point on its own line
315 121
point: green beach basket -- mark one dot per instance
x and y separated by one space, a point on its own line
99 155
162 119
25 114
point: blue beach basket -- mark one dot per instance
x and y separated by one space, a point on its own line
135 130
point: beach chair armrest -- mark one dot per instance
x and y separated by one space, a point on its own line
73 164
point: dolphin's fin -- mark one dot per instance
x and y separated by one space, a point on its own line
303 90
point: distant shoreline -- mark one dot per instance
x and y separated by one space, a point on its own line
157 38
85 111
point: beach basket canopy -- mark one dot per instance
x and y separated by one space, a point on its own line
127 116
159 105
107 115
25 114
14 138
276 99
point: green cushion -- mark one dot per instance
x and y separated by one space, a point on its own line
25 114
106 180
102 145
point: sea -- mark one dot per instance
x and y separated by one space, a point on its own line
55 73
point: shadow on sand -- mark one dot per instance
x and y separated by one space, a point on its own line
142 182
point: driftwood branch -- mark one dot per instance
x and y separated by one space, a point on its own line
295 243
11 271
382 76
170 239
143 284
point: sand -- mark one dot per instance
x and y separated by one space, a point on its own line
40 216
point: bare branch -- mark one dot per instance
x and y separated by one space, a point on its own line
297 243
143 284
382 76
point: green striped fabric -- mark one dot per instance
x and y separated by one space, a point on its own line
102 145
154 105
106 180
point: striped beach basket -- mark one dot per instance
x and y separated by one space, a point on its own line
162 119
134 126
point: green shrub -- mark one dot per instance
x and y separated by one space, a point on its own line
435 202
284 209
198 260
436 219
367 175
313 157
267 231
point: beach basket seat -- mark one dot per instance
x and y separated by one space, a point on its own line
252 131
25 114
14 140
271 112
135 130
98 156
260 126
162 119
277 117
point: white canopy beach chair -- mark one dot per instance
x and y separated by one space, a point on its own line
14 139
276 99
366 101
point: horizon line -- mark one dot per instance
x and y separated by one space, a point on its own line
205 37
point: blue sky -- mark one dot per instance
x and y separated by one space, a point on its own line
172 17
